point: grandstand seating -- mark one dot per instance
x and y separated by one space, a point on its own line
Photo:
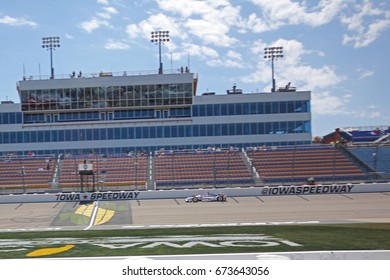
202 167
197 168
26 172
297 164
375 157
110 171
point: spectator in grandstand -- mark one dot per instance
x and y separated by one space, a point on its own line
130 153
311 181
47 164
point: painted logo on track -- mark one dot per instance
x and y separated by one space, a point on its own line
57 245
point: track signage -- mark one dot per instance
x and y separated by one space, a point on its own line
121 195
304 190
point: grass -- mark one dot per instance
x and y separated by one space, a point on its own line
311 237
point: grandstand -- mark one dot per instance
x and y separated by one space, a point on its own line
202 168
113 170
297 164
23 172
199 168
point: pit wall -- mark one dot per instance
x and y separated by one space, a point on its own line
179 194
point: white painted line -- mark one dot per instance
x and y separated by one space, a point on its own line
95 209
220 225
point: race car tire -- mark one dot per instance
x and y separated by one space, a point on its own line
219 198
195 199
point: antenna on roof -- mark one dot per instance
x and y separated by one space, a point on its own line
24 70
171 64
188 61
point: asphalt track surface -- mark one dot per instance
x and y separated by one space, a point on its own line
259 210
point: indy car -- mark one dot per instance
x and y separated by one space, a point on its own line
206 197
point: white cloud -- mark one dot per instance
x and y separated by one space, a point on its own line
234 55
94 23
203 52
232 60
17 21
100 20
209 20
365 73
154 23
110 10
68 36
132 30
213 33
104 2
324 103
285 12
259 25
366 24
184 8
116 45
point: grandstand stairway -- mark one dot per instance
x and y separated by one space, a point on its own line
150 184
257 181
54 185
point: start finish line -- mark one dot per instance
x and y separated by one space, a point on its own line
179 194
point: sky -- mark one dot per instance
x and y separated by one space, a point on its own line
337 49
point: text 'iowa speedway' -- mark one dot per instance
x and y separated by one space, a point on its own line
123 195
294 190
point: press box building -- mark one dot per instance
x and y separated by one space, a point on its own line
120 112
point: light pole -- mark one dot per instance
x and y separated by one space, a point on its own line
272 54
160 37
51 43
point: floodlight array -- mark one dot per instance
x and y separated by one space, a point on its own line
51 42
159 37
273 53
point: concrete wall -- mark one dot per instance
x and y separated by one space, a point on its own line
171 194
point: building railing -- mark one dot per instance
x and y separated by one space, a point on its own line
75 75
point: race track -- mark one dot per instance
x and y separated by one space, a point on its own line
262 210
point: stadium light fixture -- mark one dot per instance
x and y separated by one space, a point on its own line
51 43
272 54
160 37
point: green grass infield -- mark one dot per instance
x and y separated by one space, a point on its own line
206 240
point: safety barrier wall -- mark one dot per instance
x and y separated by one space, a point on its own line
177 194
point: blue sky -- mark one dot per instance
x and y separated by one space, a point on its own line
338 49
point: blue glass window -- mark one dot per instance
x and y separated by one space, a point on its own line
138 133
